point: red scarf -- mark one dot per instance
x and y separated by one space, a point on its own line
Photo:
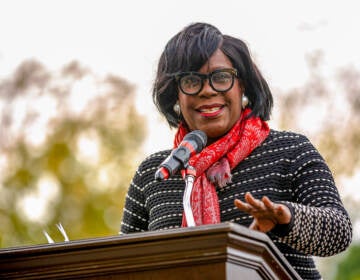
237 144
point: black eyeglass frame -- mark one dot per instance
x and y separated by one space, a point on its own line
179 76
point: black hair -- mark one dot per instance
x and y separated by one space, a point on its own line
189 50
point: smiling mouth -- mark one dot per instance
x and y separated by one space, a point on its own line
210 111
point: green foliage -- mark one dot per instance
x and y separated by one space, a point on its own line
349 268
78 172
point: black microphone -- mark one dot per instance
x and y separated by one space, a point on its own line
192 143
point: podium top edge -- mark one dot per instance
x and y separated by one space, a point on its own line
213 229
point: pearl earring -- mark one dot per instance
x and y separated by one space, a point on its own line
177 109
244 101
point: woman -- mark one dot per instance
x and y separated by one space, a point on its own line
274 182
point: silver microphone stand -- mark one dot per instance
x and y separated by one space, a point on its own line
189 178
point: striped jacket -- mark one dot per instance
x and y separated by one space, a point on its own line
285 167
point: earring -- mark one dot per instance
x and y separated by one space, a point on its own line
177 109
244 101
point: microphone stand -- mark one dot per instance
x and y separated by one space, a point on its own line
189 177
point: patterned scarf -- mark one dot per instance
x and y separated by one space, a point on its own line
216 160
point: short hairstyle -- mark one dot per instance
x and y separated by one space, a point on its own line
189 50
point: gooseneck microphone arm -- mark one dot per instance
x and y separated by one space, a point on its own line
189 178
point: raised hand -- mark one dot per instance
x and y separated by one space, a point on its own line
266 213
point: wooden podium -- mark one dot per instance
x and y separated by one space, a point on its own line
221 251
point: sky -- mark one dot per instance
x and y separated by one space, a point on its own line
126 38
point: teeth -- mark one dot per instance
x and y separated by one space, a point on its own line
210 110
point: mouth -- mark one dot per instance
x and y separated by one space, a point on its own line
210 110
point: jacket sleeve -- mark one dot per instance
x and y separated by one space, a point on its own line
135 217
320 224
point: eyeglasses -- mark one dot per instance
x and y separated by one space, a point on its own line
220 80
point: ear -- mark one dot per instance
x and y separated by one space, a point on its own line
241 86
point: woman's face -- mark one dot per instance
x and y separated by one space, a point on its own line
210 111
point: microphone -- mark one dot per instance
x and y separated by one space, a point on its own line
192 144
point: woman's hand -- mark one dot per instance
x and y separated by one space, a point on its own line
266 213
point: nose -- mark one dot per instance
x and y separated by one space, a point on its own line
207 91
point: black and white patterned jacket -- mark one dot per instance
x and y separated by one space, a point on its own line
285 167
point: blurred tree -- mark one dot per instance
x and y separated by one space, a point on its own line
69 141
327 110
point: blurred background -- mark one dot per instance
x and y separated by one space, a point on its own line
76 114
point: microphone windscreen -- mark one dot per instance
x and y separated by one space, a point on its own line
199 137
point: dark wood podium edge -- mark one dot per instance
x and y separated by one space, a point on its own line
225 242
